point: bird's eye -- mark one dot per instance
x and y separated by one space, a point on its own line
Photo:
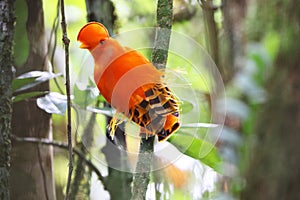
102 41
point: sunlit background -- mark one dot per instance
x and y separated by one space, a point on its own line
191 175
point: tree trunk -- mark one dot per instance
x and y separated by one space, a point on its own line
274 168
232 45
32 165
102 11
6 73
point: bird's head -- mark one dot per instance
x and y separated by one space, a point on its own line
91 35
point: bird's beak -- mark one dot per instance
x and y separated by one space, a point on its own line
84 46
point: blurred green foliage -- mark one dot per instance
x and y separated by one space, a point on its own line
190 87
21 51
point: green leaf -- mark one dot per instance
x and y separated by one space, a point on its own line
53 103
101 99
198 149
104 111
31 79
21 43
186 107
84 95
28 95
18 83
199 125
272 43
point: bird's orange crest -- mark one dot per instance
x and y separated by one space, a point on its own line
91 35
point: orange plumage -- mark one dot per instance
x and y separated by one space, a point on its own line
130 83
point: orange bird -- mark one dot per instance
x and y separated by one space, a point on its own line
130 83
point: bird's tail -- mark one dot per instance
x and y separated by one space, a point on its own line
158 113
171 125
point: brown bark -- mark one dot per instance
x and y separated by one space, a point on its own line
6 74
32 165
232 41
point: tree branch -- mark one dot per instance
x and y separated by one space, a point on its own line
211 29
61 145
80 171
66 42
164 18
53 34
159 59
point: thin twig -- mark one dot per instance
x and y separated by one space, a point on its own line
80 165
66 42
61 145
53 32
